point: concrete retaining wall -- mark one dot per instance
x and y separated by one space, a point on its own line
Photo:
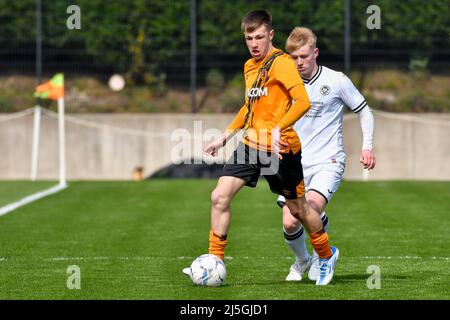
110 146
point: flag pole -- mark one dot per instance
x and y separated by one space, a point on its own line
37 107
54 90
35 147
62 143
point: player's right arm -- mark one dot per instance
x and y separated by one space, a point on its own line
237 124
298 109
287 74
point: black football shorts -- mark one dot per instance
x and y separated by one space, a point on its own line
285 176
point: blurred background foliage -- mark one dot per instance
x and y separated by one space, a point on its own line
404 66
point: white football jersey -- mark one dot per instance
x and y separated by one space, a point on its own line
320 129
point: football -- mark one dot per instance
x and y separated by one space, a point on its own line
208 270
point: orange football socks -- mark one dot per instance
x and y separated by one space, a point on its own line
321 245
217 244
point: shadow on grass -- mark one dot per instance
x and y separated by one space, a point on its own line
337 279
364 277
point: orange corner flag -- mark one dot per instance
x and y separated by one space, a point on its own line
53 89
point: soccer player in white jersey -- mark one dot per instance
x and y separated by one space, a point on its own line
320 131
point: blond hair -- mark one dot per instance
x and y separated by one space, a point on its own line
254 19
299 37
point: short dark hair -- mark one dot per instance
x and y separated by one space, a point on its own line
254 19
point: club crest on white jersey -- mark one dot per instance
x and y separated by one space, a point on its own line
325 90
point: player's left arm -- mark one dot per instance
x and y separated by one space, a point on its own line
356 102
367 157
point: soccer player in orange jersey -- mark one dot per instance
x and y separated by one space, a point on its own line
275 100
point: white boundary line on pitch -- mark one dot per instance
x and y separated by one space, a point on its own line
100 258
357 257
28 199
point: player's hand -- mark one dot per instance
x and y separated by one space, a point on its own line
278 146
367 159
212 148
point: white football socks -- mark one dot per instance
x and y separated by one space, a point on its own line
296 241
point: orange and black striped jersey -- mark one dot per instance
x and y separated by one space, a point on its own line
271 86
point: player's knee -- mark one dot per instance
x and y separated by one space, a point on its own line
291 225
219 200
317 202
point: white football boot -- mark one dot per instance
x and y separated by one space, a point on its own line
314 271
297 270
326 267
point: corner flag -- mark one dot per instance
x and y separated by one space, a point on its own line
53 89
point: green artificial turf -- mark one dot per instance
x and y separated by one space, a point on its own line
132 239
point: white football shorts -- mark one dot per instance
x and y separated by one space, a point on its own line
323 179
